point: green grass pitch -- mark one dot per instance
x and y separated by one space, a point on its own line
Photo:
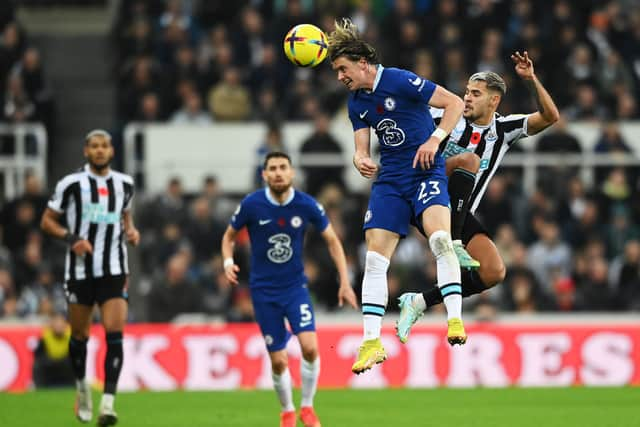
511 407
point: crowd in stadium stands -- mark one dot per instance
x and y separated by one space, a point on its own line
568 246
26 95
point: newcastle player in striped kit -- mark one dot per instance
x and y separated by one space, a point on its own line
474 150
91 211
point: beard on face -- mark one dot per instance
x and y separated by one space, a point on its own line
280 188
99 166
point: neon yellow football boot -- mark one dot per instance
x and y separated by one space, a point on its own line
370 353
456 333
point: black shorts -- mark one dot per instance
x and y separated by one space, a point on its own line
472 227
96 290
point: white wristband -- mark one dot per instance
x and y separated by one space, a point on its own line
228 262
440 134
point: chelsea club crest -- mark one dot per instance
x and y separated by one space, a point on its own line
389 104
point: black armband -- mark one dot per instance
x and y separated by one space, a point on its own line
71 238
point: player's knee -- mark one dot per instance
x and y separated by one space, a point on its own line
468 161
376 263
440 244
279 363
310 354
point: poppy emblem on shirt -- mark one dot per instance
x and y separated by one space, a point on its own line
379 109
282 222
475 138
103 191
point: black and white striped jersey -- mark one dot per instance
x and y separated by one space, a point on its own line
489 142
93 206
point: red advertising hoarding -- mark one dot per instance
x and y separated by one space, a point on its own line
205 357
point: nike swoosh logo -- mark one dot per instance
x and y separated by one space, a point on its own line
425 201
416 82
264 221
303 324
362 115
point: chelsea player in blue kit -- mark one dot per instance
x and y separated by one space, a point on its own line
411 184
277 218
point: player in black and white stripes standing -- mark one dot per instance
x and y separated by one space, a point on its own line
94 205
474 150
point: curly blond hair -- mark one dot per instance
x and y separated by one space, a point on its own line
346 41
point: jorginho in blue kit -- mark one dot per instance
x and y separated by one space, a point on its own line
397 109
277 279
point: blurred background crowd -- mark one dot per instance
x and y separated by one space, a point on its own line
568 245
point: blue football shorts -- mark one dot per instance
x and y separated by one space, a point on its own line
395 203
294 304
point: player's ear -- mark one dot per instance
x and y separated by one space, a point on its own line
495 100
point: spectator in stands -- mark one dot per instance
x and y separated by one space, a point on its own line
587 225
202 229
549 254
241 309
620 230
229 100
586 106
593 294
614 191
273 141
167 207
51 363
18 107
44 296
174 293
8 299
11 48
249 40
495 208
191 112
138 77
36 86
558 139
150 108
321 142
627 281
22 215
28 261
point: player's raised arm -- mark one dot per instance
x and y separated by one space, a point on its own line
345 291
453 108
230 268
547 113
362 156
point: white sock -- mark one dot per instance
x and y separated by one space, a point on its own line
81 385
374 293
282 384
309 372
448 272
419 302
107 401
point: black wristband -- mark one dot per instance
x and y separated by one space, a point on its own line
71 238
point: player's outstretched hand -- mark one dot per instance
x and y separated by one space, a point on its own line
426 154
524 65
367 167
82 247
133 236
232 273
346 294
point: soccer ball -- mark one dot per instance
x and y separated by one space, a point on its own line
305 45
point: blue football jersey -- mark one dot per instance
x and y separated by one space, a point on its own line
398 111
277 232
